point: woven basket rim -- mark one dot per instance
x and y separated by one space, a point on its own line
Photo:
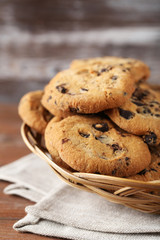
132 193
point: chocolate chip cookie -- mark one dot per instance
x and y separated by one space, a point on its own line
152 172
92 144
139 70
89 90
140 115
33 113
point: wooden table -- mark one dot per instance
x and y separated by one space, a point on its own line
11 148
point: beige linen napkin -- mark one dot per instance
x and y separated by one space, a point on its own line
63 211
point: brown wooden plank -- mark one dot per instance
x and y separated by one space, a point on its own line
15 86
12 207
7 233
12 146
39 15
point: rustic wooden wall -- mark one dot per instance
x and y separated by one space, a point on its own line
40 37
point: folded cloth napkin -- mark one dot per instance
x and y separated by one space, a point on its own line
63 211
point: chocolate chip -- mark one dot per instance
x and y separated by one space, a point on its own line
100 138
55 102
154 170
125 113
50 97
127 160
103 127
116 147
150 138
157 115
61 88
159 164
140 94
114 77
143 172
74 109
84 89
103 70
106 69
114 171
84 135
145 110
64 140
138 103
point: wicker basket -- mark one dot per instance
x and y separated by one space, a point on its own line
139 195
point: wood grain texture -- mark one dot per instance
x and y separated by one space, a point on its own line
12 148
39 15
39 38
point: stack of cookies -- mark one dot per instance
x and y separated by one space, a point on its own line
100 116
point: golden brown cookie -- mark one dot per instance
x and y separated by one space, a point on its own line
89 90
140 115
92 144
139 70
33 113
152 172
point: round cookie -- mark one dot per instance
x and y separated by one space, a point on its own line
92 144
89 90
52 150
140 115
33 113
139 70
152 172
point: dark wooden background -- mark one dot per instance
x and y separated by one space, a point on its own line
40 37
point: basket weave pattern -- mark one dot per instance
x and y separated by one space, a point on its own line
142 196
